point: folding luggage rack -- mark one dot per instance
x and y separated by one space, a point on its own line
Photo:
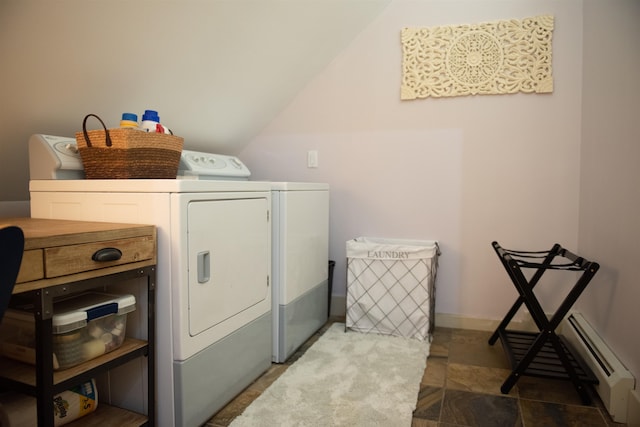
543 354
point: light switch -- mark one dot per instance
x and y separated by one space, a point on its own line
312 159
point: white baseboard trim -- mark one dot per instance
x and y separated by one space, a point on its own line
633 408
454 321
443 320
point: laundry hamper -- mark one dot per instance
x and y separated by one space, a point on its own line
391 286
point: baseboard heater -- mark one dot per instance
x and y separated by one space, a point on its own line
615 381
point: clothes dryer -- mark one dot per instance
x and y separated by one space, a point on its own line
213 291
300 249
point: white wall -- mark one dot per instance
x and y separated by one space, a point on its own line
610 194
465 170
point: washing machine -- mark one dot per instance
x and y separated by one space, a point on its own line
213 283
300 249
300 263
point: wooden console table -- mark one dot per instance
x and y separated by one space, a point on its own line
60 259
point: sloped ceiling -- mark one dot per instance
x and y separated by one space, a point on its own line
217 71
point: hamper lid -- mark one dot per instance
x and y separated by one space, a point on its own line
74 312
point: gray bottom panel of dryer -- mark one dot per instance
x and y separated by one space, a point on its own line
209 380
300 319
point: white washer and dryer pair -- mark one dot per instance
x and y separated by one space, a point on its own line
214 291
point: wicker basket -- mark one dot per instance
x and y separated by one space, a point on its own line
128 153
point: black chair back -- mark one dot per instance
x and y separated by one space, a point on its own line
11 249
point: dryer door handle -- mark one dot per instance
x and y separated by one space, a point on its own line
204 267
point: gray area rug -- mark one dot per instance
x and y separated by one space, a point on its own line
345 379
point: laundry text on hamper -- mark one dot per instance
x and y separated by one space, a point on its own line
388 255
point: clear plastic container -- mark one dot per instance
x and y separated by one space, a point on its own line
84 326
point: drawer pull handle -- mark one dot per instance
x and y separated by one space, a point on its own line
107 254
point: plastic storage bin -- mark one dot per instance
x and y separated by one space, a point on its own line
391 286
85 326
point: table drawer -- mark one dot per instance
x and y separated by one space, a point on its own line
71 259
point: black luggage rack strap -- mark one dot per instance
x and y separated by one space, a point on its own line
543 354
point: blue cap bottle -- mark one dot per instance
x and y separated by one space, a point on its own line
150 119
129 120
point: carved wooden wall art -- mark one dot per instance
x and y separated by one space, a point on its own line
491 58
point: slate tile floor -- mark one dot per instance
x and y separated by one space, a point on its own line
461 388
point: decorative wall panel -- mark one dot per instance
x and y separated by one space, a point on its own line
491 58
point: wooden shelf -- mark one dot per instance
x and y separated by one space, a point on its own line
25 373
110 416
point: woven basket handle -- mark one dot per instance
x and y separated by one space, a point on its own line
86 135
